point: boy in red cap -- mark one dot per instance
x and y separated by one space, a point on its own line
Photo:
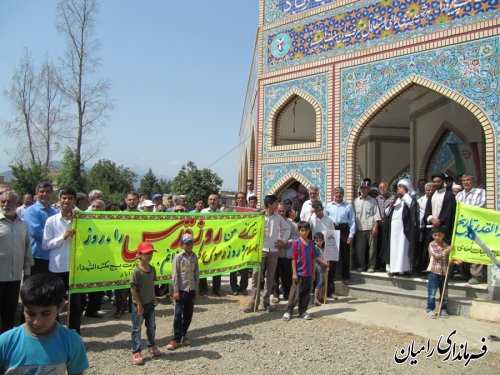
142 288
185 279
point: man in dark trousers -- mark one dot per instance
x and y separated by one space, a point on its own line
439 212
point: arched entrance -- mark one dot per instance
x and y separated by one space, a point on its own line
408 130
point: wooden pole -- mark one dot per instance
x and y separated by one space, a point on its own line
326 285
444 286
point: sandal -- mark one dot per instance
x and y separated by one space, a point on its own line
138 359
154 351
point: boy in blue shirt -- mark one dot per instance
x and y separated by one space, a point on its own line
304 256
42 345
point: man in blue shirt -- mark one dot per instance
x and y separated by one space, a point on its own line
35 216
342 215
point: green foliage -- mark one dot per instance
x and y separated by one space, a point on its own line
68 175
149 183
194 182
25 178
165 186
114 181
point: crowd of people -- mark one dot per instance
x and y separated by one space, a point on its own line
391 233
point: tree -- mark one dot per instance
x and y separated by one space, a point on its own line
164 186
26 177
66 175
23 95
149 183
194 182
76 21
114 181
38 103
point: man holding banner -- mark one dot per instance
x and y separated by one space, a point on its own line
472 196
276 232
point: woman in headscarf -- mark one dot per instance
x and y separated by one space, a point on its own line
403 234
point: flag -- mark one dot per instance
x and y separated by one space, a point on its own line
476 229
467 159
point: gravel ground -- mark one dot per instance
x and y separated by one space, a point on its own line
227 341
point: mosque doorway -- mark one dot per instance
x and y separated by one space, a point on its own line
410 136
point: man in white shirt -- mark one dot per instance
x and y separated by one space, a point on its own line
277 231
473 196
57 240
307 210
367 220
250 188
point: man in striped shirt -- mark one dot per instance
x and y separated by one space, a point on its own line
472 196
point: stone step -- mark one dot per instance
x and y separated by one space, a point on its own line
457 305
419 283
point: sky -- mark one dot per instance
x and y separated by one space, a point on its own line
178 72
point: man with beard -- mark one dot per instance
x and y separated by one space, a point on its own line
439 212
402 230
15 253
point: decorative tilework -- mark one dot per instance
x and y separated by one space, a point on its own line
276 10
274 176
367 24
316 86
444 157
470 69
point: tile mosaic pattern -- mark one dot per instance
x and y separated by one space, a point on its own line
313 173
444 157
367 24
470 69
276 10
316 86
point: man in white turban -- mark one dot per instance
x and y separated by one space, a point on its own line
402 219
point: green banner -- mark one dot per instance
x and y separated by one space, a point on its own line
473 226
103 251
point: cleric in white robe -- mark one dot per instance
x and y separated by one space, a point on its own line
403 234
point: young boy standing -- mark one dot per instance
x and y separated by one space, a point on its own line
304 254
185 278
438 251
142 288
42 345
322 267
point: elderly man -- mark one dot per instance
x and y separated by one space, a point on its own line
473 196
36 216
213 207
15 257
367 221
402 230
307 210
342 215
324 224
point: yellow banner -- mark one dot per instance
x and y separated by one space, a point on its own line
103 253
476 231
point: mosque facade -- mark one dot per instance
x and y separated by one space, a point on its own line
339 90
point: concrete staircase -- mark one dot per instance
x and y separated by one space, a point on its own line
411 291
